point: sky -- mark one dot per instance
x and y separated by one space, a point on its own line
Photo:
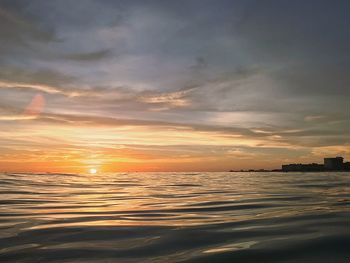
195 85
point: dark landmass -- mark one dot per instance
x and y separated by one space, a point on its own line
256 170
329 164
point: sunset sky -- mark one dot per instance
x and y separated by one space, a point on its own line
172 85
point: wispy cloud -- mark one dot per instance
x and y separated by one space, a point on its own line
90 56
170 99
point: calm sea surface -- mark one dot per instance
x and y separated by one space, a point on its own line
175 217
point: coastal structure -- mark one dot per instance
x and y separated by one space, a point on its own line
336 163
329 164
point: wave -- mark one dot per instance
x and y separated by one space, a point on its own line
182 217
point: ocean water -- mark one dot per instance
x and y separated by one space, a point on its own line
175 217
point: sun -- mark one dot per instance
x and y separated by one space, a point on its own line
92 170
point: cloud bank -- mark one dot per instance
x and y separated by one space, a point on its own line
164 85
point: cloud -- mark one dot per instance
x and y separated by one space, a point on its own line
16 117
17 29
43 88
170 99
21 36
90 56
283 136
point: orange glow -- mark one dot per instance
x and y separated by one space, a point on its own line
79 147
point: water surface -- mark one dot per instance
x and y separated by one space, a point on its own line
175 217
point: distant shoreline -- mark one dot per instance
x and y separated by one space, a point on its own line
333 164
281 171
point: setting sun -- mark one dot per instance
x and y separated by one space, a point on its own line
92 171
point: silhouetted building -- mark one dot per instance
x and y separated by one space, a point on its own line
346 166
330 164
336 163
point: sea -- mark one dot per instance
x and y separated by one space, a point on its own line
175 217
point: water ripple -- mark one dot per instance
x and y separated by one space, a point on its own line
175 217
